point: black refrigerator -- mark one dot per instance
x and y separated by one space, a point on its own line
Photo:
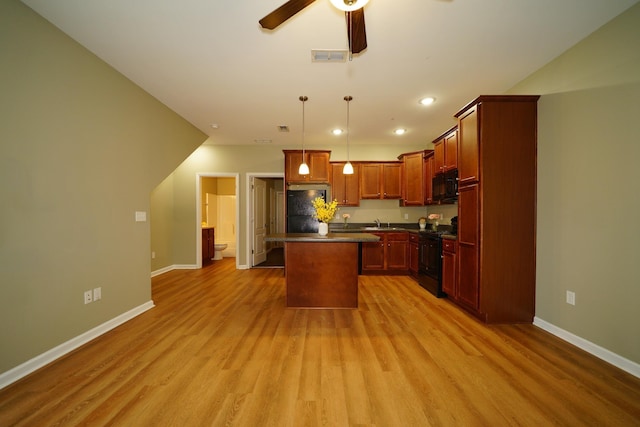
300 210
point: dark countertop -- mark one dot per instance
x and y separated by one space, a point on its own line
348 237
410 228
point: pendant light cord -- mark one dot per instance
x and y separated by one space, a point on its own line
303 99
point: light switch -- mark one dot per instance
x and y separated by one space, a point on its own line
141 216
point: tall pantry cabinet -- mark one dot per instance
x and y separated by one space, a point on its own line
497 208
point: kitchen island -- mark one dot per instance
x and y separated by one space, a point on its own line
321 271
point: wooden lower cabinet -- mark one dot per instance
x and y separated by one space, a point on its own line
468 246
390 255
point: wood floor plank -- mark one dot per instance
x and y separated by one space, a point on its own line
221 349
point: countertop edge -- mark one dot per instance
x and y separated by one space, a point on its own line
316 238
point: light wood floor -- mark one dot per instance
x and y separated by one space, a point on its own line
220 348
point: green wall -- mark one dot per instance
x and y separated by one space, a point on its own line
589 187
81 149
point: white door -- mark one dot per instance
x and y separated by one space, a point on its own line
280 214
260 220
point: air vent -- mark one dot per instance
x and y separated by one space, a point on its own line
335 55
262 141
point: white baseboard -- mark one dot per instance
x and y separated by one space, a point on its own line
49 356
600 352
173 267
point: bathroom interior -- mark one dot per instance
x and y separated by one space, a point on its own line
219 211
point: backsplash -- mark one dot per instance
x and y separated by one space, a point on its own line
388 211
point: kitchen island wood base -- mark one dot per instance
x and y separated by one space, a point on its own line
321 275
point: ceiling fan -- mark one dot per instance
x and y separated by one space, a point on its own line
354 15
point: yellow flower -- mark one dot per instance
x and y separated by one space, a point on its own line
324 211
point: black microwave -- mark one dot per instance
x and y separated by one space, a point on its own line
445 186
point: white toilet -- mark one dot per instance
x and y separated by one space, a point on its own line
218 248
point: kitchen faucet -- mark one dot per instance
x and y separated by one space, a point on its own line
377 221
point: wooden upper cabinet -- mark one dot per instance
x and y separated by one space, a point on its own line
381 180
445 149
468 165
414 178
318 162
345 188
451 150
428 171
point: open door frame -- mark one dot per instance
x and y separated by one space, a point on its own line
249 211
199 177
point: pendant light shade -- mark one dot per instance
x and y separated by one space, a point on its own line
304 168
348 167
349 5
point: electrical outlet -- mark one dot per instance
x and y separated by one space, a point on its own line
97 294
88 297
153 255
571 298
406 216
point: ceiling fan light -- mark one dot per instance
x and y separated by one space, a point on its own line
347 169
349 5
303 169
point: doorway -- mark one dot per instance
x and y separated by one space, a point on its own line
266 216
217 207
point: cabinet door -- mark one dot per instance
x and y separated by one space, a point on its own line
392 181
413 180
449 269
370 180
319 170
352 187
468 245
338 183
373 255
428 180
345 188
468 147
438 156
451 151
397 251
292 162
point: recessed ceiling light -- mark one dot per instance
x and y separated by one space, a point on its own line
400 131
337 131
214 126
283 128
428 100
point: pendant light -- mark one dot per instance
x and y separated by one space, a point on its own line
304 168
348 167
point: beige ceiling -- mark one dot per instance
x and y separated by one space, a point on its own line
210 61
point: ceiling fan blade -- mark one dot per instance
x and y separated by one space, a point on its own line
283 13
356 31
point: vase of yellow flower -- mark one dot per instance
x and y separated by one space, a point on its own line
324 212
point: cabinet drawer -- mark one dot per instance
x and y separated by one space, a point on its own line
449 245
414 238
397 237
